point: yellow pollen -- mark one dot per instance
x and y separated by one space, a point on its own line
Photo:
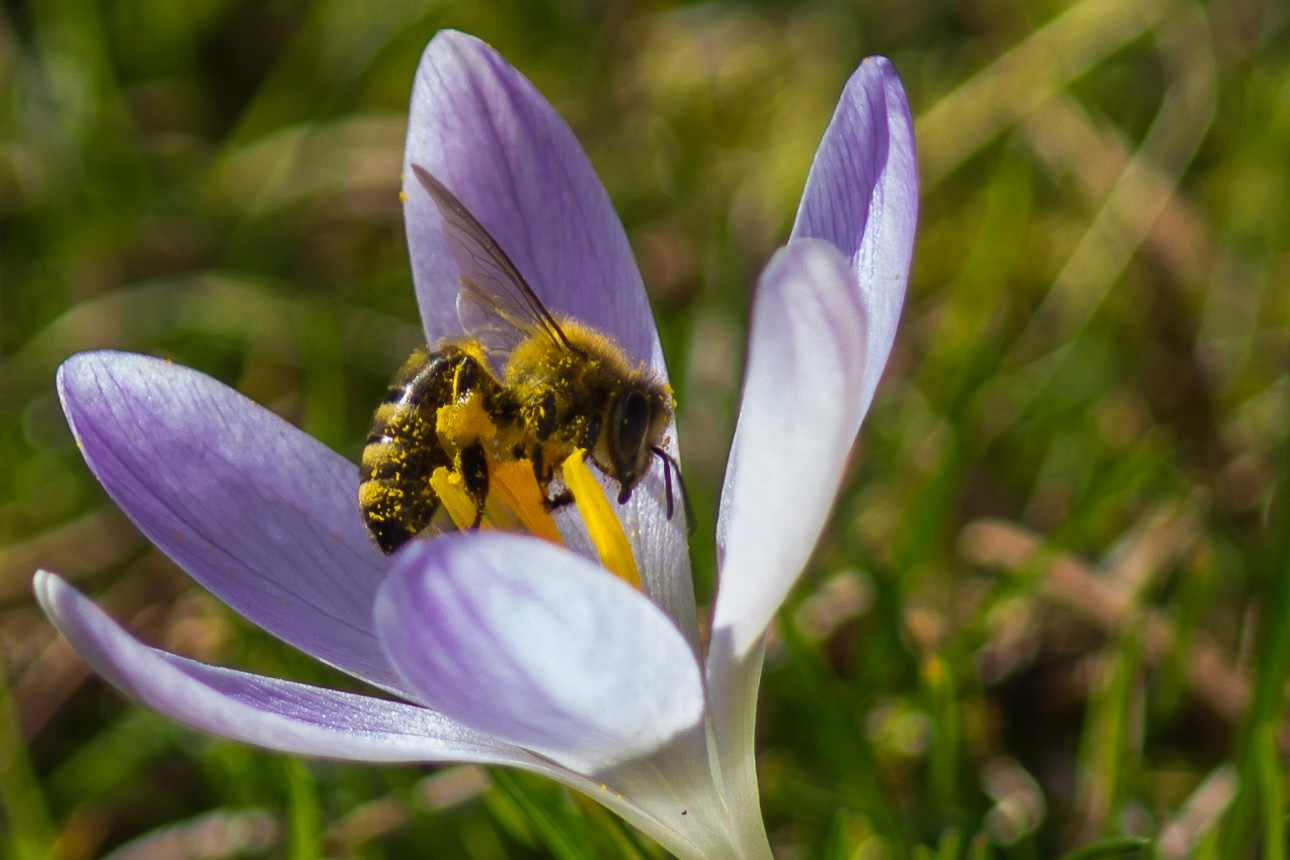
513 484
463 423
450 488
605 529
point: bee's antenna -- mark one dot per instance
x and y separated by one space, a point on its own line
670 465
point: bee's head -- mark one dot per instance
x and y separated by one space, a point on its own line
638 418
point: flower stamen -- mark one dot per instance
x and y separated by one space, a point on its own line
513 485
450 487
602 525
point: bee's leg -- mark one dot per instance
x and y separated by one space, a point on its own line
466 377
472 465
559 500
503 408
544 473
546 416
539 470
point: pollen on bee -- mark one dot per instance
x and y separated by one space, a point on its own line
602 525
462 423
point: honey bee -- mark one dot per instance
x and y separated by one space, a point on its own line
562 386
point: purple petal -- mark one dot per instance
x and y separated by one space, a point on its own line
483 130
798 419
538 647
266 712
304 720
862 196
255 510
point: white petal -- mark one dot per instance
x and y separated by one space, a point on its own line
799 417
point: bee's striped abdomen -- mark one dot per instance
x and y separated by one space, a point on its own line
403 451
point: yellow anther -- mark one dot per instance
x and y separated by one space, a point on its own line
605 529
451 490
513 483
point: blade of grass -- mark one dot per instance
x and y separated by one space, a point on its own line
543 817
1109 755
30 834
110 759
951 842
304 815
943 758
1272 669
1272 787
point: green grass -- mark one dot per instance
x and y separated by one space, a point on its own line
1056 586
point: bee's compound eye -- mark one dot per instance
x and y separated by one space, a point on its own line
631 423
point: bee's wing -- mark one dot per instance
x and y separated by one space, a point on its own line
496 305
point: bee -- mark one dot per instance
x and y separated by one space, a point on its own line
562 386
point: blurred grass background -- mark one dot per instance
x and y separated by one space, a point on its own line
1053 607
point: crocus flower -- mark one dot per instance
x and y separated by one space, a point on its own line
501 648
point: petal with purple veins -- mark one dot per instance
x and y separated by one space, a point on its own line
303 720
482 129
862 196
259 513
538 647
265 712
487 134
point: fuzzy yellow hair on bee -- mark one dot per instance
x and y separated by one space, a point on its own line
561 386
